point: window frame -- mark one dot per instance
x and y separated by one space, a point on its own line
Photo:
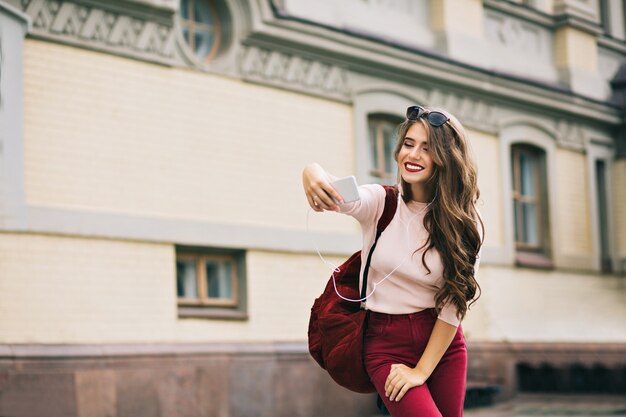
532 255
203 306
193 26
379 172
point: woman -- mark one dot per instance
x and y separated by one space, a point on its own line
422 273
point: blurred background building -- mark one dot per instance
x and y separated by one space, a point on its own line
154 252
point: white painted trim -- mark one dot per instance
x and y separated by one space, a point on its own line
385 101
616 17
60 221
596 151
14 26
518 130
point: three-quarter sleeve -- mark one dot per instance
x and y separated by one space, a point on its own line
449 314
369 206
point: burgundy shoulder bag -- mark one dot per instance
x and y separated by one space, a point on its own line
337 326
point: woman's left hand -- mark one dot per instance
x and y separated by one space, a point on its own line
401 379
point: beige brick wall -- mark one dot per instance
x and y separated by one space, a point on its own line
281 291
74 290
463 17
619 206
108 134
572 204
529 305
575 49
487 152
57 289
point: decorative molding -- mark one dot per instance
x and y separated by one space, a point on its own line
509 32
565 133
102 28
472 112
294 72
570 135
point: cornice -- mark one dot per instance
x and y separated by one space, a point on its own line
613 44
294 72
302 56
361 55
521 11
548 21
117 27
577 23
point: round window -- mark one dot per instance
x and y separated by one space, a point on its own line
201 27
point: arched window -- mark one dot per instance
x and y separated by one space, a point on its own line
201 26
382 130
530 208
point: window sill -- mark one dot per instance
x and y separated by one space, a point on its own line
211 313
533 260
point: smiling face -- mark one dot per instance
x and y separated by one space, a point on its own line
415 162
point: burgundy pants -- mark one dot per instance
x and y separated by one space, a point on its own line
402 338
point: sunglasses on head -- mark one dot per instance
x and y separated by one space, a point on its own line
435 118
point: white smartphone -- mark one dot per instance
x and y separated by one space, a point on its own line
347 188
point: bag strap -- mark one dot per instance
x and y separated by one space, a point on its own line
391 204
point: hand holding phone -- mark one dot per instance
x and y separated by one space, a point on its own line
347 188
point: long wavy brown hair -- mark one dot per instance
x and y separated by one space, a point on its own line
452 220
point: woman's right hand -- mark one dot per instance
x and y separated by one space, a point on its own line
320 194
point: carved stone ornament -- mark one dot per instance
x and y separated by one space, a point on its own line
100 28
470 111
515 35
570 135
294 72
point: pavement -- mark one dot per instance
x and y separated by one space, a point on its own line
529 405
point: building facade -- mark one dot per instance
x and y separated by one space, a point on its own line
156 254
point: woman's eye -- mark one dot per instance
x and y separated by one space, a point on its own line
408 144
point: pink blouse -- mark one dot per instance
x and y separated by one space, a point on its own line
398 281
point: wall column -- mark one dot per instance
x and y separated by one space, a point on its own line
14 25
459 28
576 59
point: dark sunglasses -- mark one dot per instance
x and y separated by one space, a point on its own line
435 118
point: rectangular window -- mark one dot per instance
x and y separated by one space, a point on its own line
604 16
606 263
382 139
530 210
210 283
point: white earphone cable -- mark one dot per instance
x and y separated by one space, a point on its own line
335 269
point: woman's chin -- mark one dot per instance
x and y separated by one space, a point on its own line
414 178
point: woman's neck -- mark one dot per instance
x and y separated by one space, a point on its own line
420 193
